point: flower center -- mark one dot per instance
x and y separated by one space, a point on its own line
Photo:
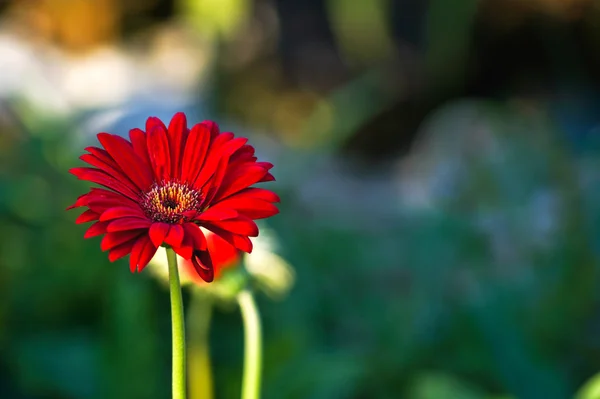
168 201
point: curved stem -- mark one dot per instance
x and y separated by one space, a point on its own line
252 345
199 365
178 328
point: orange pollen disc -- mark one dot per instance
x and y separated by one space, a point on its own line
168 201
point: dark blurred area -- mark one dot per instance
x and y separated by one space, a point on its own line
440 181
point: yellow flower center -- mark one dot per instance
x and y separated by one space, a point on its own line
168 201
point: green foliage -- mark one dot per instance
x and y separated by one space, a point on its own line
437 303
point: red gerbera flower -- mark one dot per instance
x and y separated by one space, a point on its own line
166 183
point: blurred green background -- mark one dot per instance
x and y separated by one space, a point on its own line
440 181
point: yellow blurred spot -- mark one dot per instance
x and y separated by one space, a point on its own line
290 115
76 25
361 28
591 389
221 17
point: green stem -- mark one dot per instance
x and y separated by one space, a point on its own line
177 321
199 367
252 345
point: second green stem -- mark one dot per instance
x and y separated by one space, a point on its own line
252 346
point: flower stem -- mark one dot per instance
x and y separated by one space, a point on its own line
178 328
252 345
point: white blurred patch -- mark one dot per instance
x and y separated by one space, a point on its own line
99 79
275 275
172 64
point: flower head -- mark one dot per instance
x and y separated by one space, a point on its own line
166 183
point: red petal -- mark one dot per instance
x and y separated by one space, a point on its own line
234 182
194 152
198 239
268 177
103 199
127 224
82 200
153 122
203 265
234 145
158 232
175 235
129 162
212 127
138 142
218 159
190 214
266 165
104 161
259 193
185 251
215 152
241 225
177 129
222 253
186 248
141 253
110 168
242 243
254 203
236 165
104 157
102 178
249 207
87 216
211 188
122 212
217 213
112 240
158 151
96 229
244 154
121 250
102 204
